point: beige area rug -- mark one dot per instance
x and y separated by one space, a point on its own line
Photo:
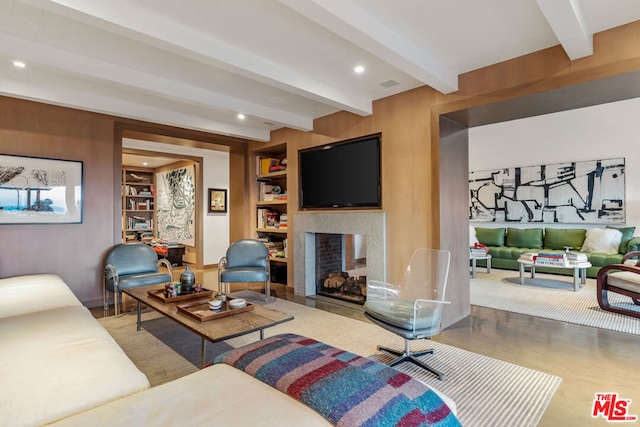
487 392
551 297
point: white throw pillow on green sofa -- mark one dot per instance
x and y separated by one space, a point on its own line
602 241
473 239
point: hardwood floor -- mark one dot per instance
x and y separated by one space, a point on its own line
588 360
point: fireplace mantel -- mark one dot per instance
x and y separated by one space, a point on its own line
307 224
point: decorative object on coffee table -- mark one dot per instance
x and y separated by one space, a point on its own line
160 295
187 280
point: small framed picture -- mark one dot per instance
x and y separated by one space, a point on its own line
217 200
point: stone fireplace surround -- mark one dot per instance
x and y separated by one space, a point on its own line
307 224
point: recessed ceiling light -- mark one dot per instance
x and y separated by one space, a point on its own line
19 64
359 69
240 116
144 163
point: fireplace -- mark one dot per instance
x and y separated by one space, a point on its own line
341 269
370 226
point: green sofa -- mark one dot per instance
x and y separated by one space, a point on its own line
507 244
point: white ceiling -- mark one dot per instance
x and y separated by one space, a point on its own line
198 63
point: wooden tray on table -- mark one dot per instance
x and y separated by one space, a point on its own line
200 310
159 294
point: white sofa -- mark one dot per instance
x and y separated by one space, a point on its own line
55 358
59 366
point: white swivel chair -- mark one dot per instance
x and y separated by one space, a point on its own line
412 309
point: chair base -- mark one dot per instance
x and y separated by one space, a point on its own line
603 301
409 356
117 304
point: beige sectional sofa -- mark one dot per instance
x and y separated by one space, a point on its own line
59 366
55 358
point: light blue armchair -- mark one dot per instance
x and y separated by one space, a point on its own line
129 265
246 261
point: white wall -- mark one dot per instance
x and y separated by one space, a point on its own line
600 132
215 174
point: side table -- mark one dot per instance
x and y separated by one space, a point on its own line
172 254
475 258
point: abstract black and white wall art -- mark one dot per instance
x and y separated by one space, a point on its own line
176 205
584 192
37 190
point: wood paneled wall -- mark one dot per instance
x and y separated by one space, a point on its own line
407 182
73 251
76 251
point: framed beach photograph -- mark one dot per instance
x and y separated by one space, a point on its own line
217 200
36 190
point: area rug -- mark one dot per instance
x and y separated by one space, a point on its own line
551 297
487 391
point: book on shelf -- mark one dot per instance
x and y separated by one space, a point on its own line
267 218
275 247
272 219
261 215
270 192
264 163
139 223
280 166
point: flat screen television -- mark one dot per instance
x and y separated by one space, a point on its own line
343 174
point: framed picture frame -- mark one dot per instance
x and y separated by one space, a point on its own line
217 200
35 190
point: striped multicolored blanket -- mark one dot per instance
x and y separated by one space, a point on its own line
347 389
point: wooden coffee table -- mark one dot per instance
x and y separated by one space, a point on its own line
215 330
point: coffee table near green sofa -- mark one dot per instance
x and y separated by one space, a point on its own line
507 244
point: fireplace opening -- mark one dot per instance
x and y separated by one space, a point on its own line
341 266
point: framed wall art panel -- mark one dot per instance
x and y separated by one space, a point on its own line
217 200
584 192
37 190
176 205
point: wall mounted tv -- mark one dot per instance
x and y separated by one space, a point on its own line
343 174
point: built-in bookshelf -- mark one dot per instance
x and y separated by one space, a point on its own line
271 208
138 205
